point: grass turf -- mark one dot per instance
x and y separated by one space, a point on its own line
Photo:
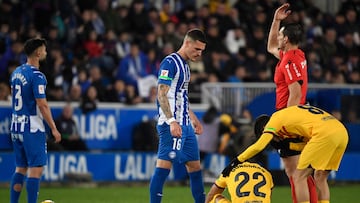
172 194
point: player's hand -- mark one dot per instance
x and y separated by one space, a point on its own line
175 129
57 135
282 12
198 128
229 168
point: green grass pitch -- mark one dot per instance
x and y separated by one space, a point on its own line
172 194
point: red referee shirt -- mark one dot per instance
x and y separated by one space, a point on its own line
291 68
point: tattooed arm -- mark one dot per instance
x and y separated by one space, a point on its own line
164 101
175 128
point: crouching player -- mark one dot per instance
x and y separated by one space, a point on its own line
326 139
289 151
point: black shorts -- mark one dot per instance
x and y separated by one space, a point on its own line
283 148
286 152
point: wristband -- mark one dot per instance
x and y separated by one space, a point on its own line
170 120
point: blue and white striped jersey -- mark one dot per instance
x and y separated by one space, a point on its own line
27 84
175 72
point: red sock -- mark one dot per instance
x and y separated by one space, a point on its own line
293 195
312 190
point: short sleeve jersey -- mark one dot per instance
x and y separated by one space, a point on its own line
27 84
248 182
291 68
175 72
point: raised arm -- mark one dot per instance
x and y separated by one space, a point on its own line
280 14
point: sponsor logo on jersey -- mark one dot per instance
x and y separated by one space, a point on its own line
41 89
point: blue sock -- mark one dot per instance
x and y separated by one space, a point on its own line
197 186
17 178
32 188
157 183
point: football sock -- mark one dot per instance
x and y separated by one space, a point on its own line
197 186
312 190
324 201
32 188
157 183
17 178
293 195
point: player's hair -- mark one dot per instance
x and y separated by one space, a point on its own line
260 123
294 32
196 34
32 44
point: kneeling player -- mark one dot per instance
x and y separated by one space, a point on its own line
246 182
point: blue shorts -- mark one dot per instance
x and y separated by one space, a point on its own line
30 149
182 149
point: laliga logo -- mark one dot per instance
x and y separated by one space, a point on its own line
59 165
97 127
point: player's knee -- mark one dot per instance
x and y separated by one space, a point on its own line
17 187
290 167
193 166
219 198
320 176
289 173
300 176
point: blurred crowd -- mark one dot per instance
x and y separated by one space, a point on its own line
109 50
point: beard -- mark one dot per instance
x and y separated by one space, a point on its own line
43 63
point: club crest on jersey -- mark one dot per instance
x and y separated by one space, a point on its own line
41 89
172 155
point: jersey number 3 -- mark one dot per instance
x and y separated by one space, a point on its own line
18 98
246 180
